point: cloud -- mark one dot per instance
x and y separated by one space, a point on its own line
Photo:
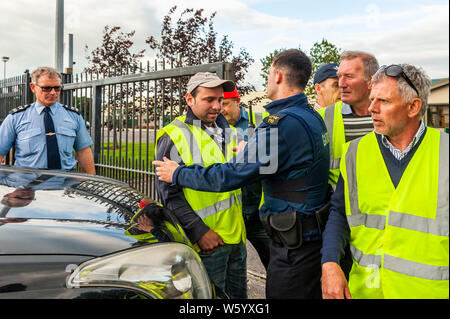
417 35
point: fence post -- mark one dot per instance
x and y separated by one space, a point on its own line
27 90
96 121
228 71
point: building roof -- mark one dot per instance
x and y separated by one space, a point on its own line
437 83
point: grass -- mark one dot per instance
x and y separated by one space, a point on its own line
125 151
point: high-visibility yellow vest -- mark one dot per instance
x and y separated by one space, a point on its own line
336 135
399 236
172 231
221 212
258 117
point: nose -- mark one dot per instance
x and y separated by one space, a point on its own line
217 105
372 107
342 82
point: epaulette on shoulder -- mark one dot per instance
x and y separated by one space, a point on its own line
274 119
71 108
19 109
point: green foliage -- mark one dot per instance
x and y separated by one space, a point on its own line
321 53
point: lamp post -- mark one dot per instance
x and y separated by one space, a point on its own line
4 59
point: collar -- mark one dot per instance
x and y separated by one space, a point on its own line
346 109
40 108
243 116
395 151
317 106
299 99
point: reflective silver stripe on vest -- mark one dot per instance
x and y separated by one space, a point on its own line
371 261
401 266
196 152
258 118
415 269
357 218
219 206
329 123
334 162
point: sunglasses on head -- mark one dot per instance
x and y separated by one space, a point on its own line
48 89
395 71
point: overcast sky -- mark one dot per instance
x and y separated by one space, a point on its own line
400 31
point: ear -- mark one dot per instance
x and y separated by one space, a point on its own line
414 108
369 83
317 88
189 99
33 87
238 100
278 76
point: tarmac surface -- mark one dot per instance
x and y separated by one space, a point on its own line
256 274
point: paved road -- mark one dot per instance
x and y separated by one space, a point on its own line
256 274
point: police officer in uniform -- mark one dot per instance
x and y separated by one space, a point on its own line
294 176
46 132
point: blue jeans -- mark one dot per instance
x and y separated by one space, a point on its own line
227 268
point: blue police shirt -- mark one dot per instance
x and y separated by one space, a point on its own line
284 153
26 131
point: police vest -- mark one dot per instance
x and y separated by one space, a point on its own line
399 236
301 189
336 135
221 212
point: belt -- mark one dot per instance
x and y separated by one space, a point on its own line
287 228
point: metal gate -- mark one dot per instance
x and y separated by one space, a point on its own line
14 92
124 113
123 110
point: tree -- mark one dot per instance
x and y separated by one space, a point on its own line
114 52
321 53
192 40
266 63
114 57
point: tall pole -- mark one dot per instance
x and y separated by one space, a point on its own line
59 36
4 59
71 51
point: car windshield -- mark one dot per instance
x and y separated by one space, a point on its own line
40 194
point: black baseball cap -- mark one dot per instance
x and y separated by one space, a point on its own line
326 71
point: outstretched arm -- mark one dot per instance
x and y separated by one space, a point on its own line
165 169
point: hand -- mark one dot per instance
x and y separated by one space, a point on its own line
334 284
165 170
210 241
144 223
240 147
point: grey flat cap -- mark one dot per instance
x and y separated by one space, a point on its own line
208 80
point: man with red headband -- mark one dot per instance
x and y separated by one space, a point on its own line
242 120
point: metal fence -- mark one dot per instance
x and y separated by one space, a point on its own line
123 110
14 92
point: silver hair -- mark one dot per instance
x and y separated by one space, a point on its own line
51 72
369 61
420 80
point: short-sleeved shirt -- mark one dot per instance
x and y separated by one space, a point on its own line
26 131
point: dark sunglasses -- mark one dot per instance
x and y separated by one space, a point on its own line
395 71
48 89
